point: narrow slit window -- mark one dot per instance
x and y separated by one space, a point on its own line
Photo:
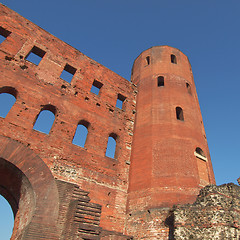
45 119
35 55
96 86
3 34
120 101
160 81
188 88
111 146
8 97
68 73
179 113
173 59
148 60
81 133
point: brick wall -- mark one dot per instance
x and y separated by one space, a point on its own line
214 215
38 87
59 190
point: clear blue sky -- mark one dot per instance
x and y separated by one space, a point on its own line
114 33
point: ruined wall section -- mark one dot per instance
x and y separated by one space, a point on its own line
39 85
151 224
214 215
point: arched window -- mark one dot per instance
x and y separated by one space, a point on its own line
173 59
81 133
188 88
179 113
111 145
160 81
200 154
8 97
45 119
148 60
6 218
202 167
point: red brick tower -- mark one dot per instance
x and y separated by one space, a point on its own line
170 159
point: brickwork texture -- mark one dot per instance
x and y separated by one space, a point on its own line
60 188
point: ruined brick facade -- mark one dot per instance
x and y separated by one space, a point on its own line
59 190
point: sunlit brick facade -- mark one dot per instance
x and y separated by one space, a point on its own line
59 190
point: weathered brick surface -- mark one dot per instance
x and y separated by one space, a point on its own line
78 217
62 191
150 224
167 172
214 215
37 86
31 190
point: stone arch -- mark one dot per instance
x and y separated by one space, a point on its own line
30 188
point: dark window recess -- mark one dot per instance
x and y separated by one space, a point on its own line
45 119
120 101
96 86
8 97
160 81
173 59
35 55
200 154
188 88
148 60
81 133
68 73
111 146
179 113
3 34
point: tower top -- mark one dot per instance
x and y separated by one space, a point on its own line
162 59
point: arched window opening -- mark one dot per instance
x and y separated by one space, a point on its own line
6 218
111 145
188 88
148 60
179 113
81 133
45 119
160 81
8 97
200 154
173 59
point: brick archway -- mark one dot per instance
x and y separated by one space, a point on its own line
30 188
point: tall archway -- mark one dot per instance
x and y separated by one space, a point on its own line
29 187
17 190
6 219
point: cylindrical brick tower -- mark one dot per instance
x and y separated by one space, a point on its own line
170 159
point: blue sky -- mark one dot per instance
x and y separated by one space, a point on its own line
114 33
